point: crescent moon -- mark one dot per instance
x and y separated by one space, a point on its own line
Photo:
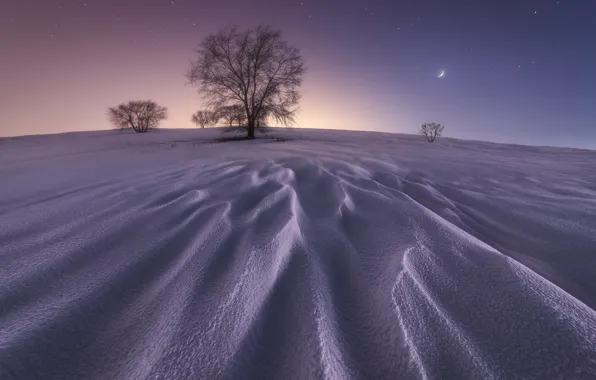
442 74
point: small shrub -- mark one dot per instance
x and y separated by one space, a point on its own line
431 131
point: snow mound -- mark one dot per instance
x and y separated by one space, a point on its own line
308 255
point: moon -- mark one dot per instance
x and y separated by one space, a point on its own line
441 74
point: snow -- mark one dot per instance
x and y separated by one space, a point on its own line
304 255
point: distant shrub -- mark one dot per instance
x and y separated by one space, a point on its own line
431 131
140 115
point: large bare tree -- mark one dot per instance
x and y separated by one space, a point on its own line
255 68
431 131
140 115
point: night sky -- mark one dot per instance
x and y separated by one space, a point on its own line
520 71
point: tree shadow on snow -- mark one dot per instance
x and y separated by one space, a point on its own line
245 138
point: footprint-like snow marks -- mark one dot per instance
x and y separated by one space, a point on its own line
334 256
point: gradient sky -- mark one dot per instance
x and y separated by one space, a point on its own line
519 71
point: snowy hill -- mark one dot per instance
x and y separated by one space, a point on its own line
316 255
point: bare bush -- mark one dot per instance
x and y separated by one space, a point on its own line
431 131
140 115
253 68
203 118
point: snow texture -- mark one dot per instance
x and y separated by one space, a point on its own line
308 254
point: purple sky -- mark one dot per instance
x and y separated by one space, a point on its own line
516 71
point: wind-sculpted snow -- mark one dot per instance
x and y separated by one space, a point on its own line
316 255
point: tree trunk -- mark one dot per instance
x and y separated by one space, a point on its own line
251 129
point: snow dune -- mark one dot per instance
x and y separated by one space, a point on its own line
312 255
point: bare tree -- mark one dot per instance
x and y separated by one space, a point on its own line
254 68
140 115
239 115
226 114
232 114
203 118
431 131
